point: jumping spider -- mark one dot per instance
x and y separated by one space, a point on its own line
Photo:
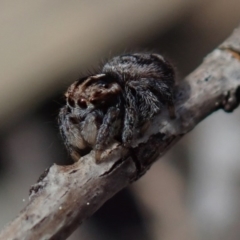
115 104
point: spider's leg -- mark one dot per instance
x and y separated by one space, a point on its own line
130 117
166 94
161 90
107 130
148 103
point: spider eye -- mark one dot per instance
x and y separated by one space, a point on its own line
71 102
82 103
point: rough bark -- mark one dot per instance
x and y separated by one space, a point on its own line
67 195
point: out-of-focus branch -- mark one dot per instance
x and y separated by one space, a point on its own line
67 195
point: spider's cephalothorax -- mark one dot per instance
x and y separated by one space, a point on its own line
117 103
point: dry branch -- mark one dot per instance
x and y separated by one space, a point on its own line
67 195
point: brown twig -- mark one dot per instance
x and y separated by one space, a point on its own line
67 195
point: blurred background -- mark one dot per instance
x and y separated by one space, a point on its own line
193 192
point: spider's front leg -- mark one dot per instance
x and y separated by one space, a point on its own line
107 130
70 130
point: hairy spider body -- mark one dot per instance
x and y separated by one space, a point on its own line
114 105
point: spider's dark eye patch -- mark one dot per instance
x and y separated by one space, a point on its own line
82 103
71 102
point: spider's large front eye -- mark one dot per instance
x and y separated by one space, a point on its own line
70 102
82 103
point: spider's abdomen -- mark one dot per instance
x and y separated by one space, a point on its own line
141 65
148 82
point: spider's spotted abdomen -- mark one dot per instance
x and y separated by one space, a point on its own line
112 105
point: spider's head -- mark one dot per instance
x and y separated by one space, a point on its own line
95 91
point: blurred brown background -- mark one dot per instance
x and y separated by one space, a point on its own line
191 193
